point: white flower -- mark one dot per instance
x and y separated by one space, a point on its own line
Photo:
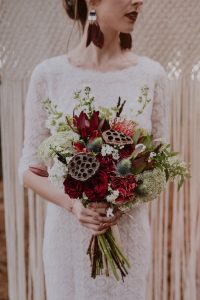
107 150
57 173
113 196
109 212
115 155
152 154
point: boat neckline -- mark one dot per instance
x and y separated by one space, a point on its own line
94 71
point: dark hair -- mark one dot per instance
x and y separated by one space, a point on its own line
77 10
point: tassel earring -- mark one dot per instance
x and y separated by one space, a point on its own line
94 33
125 40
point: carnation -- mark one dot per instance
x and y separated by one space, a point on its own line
125 186
96 187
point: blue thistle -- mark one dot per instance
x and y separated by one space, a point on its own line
124 167
95 145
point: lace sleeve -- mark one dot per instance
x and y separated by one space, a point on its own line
160 115
35 116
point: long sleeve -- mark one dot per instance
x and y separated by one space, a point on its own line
35 116
160 109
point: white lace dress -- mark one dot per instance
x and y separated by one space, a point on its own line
67 268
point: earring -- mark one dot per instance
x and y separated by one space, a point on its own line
94 33
125 40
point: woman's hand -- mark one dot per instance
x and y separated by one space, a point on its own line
101 208
94 217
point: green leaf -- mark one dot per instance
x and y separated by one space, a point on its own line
136 136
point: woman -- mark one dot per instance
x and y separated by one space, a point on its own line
103 59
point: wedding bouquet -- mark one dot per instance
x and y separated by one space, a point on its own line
99 156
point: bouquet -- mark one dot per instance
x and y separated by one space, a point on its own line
99 156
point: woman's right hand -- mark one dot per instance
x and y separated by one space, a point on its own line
88 218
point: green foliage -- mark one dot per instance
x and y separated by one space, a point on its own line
56 118
107 113
85 100
143 100
173 166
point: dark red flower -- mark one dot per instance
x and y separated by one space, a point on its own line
126 151
94 121
79 147
96 187
106 163
86 126
73 187
82 123
126 187
94 135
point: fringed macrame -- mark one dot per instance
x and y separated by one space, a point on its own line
175 222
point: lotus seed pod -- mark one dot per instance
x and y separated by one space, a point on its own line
83 165
114 137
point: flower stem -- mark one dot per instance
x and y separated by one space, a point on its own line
105 247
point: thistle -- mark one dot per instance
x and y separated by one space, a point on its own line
95 145
124 167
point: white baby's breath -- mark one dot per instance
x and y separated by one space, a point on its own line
57 173
109 150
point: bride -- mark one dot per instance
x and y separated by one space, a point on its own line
104 60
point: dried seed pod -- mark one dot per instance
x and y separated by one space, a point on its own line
114 137
82 166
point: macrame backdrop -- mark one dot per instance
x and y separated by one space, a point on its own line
168 31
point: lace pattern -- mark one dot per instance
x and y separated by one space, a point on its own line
67 270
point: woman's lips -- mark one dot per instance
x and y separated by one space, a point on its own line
132 16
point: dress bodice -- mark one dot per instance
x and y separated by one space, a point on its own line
57 79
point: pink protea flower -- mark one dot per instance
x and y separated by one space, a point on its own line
123 125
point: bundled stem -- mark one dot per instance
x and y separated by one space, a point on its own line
104 252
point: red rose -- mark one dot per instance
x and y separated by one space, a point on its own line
96 187
73 187
126 187
126 151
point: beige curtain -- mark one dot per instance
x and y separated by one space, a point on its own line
168 31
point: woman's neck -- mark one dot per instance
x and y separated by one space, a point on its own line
111 56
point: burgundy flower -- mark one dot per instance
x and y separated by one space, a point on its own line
73 187
82 123
106 163
94 135
96 187
88 127
126 187
126 151
79 147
